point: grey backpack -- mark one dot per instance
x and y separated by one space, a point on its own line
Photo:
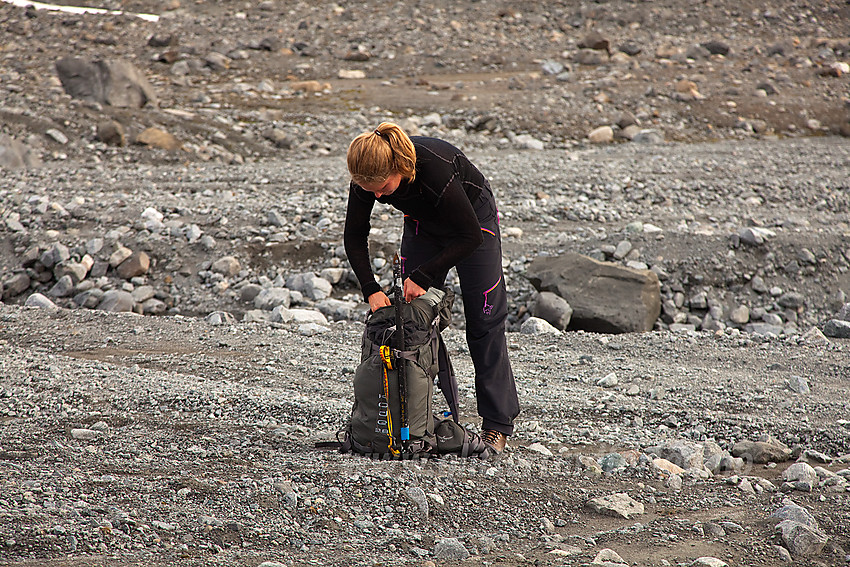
377 424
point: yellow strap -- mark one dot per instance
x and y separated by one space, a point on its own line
386 357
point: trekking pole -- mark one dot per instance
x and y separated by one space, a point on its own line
398 285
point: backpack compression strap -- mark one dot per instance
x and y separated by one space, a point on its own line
387 359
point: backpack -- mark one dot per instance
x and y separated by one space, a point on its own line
375 425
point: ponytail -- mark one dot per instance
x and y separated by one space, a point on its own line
374 156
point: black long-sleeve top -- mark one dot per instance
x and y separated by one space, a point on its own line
440 198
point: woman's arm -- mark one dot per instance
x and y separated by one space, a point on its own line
356 238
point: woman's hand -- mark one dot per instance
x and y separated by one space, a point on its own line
377 300
412 290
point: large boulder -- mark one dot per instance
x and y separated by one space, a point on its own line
605 297
115 83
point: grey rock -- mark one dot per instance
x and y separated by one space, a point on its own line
761 451
620 505
57 136
317 288
799 384
537 326
336 309
819 457
713 529
765 329
837 329
782 554
613 461
136 265
40 301
801 472
418 497
228 266
622 249
680 452
528 142
699 301
84 434
333 275
311 329
755 236
115 83
77 271
220 318
648 136
740 315
730 463
553 308
708 562
608 558
257 316
270 298
716 47
217 61
62 288
248 293
154 306
791 300
450 549
801 539
116 301
307 316
758 284
16 285
697 52
55 254
281 140
550 67
89 299
143 293
608 381
605 297
13 221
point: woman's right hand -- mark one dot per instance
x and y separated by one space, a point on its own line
377 300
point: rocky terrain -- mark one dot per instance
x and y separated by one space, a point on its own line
180 325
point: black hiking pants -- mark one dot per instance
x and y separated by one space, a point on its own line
485 306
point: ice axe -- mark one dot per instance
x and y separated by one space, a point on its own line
398 291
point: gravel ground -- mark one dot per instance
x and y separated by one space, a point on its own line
170 440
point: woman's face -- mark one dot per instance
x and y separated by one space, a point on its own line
383 188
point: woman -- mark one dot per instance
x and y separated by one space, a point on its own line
450 219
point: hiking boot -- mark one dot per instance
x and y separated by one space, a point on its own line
495 440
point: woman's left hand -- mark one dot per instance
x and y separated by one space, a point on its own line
412 290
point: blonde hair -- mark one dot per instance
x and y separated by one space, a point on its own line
374 156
